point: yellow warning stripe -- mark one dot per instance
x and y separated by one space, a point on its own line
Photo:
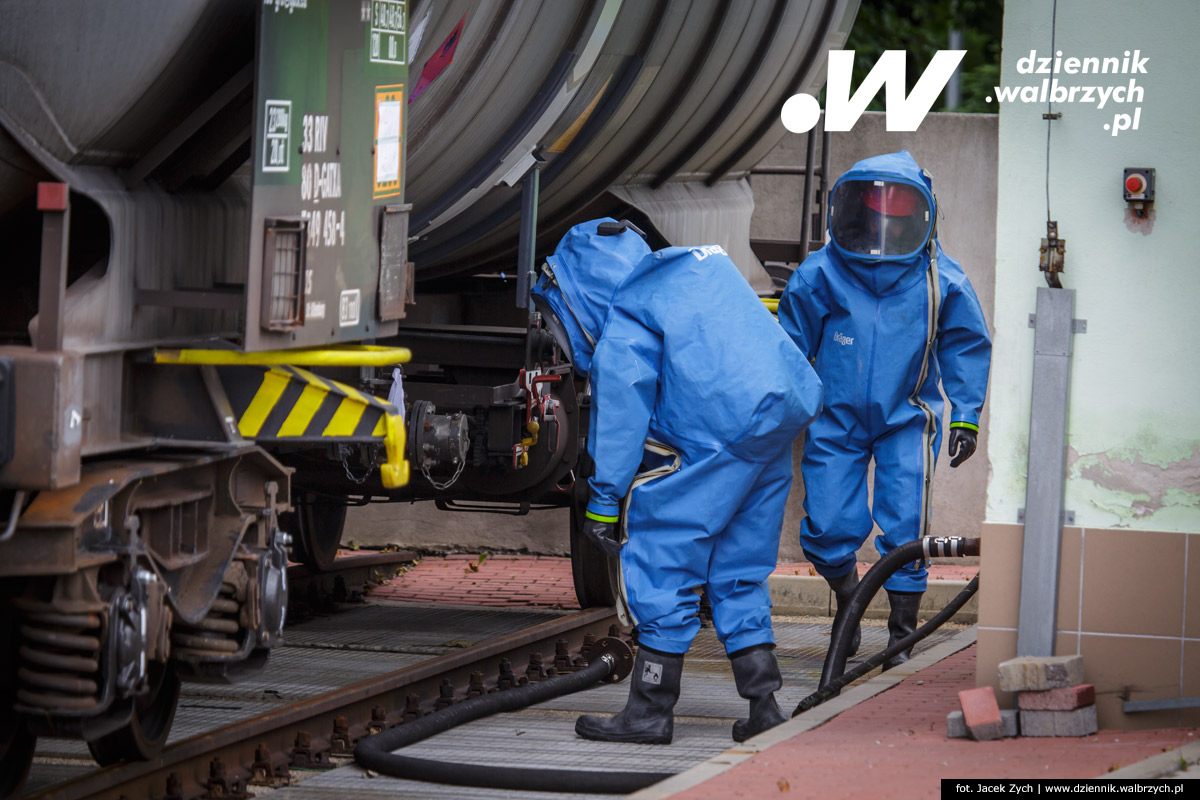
346 418
390 426
273 383
302 413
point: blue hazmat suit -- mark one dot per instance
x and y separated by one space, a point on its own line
883 323
692 376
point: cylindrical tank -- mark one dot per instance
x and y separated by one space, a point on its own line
605 92
102 83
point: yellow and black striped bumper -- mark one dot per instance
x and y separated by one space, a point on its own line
283 404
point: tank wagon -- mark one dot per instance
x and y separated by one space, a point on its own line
267 259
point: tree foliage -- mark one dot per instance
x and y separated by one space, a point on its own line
921 28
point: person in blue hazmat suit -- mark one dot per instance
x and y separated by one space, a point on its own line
692 375
884 315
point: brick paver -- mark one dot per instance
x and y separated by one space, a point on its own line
537 581
501 580
981 714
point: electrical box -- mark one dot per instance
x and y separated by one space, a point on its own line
1139 184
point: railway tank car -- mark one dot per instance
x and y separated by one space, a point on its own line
226 227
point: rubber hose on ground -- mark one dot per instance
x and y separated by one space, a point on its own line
374 752
868 587
837 684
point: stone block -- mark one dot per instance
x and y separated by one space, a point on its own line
1039 673
956 728
1080 722
981 714
1067 699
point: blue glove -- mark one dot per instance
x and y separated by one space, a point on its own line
961 444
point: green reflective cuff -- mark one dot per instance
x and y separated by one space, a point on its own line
965 425
600 518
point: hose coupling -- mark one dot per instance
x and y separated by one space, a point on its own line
617 654
949 547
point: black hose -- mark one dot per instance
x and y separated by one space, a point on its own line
834 686
834 676
374 752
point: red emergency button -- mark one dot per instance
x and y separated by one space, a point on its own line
1135 184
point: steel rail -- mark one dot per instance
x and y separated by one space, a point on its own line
261 750
347 574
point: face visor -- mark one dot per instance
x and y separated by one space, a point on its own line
874 218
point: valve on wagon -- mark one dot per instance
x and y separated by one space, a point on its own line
438 443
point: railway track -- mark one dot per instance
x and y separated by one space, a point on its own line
311 733
343 675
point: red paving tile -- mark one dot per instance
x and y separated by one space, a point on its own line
501 581
981 713
894 746
537 581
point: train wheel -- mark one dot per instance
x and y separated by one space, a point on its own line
16 753
316 529
780 274
143 737
590 567
16 742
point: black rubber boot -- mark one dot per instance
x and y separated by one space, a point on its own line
902 620
842 588
648 716
756 673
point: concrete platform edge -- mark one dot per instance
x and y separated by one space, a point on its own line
809 596
808 720
1162 765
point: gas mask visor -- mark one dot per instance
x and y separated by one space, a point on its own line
877 218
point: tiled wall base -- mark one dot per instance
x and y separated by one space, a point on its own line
1128 602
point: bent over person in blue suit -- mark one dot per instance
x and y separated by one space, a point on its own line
884 314
691 372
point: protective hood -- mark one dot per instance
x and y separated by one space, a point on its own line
579 279
883 271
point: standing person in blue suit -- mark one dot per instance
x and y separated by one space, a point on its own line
691 374
884 315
